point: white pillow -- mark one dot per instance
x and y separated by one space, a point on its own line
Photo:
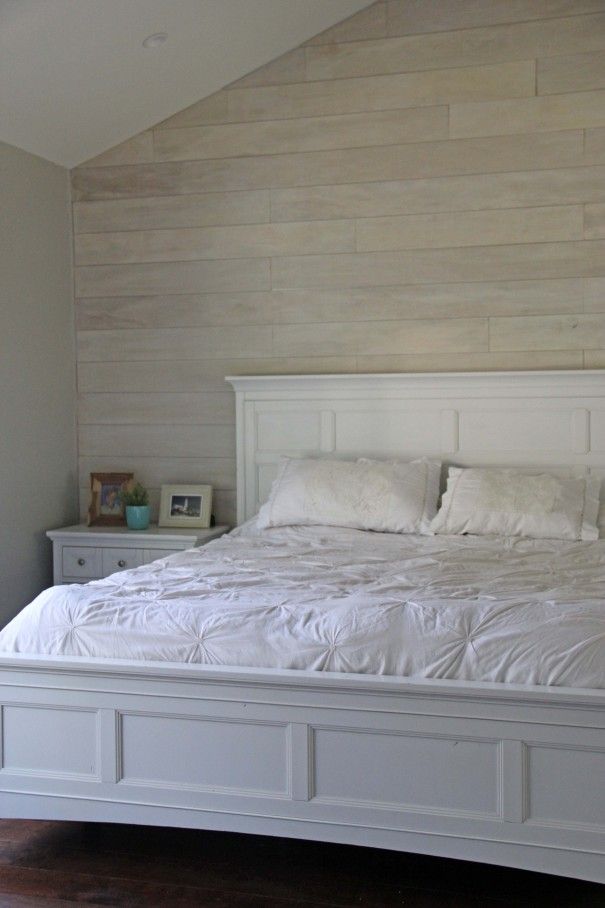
386 496
510 503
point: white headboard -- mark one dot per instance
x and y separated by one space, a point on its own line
549 420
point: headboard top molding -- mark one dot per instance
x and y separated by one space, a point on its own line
546 420
551 382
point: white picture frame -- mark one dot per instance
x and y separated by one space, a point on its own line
185 506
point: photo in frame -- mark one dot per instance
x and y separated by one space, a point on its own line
106 507
185 506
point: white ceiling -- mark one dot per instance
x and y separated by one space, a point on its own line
75 79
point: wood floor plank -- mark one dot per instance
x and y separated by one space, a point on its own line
25 901
59 864
84 888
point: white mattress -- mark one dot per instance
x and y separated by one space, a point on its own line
467 608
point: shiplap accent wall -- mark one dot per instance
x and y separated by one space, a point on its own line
422 187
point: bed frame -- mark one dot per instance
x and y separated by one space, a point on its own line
506 774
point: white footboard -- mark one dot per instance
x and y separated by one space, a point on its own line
506 775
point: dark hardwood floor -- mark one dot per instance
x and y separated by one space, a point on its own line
54 864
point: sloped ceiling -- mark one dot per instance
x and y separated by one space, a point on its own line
76 80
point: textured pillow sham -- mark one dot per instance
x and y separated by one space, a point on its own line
385 496
511 503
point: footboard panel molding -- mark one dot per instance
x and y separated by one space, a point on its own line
505 775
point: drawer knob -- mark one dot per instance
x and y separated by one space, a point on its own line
121 563
81 561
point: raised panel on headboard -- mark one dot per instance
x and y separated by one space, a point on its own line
549 420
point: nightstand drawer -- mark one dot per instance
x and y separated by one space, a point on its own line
156 554
82 553
84 561
121 560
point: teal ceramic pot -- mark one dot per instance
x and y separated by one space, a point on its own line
137 516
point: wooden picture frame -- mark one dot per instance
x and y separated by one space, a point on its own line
106 508
185 506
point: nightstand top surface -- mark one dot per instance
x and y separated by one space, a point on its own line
81 530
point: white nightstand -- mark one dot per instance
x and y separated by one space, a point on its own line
82 553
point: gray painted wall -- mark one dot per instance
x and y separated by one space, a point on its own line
37 380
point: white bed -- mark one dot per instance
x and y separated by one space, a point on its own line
518 611
436 694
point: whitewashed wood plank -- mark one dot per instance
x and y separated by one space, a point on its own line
471 362
370 22
427 266
224 507
490 118
153 472
552 332
340 96
157 441
290 67
138 150
409 336
194 210
195 244
349 165
594 222
463 47
212 109
594 294
470 228
299 306
197 375
232 140
174 343
182 311
594 359
428 301
595 146
172 277
156 409
578 72
406 17
520 189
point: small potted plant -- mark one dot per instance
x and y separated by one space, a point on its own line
136 505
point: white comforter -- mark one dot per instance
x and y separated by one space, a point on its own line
461 607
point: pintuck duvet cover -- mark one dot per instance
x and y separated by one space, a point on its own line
324 599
